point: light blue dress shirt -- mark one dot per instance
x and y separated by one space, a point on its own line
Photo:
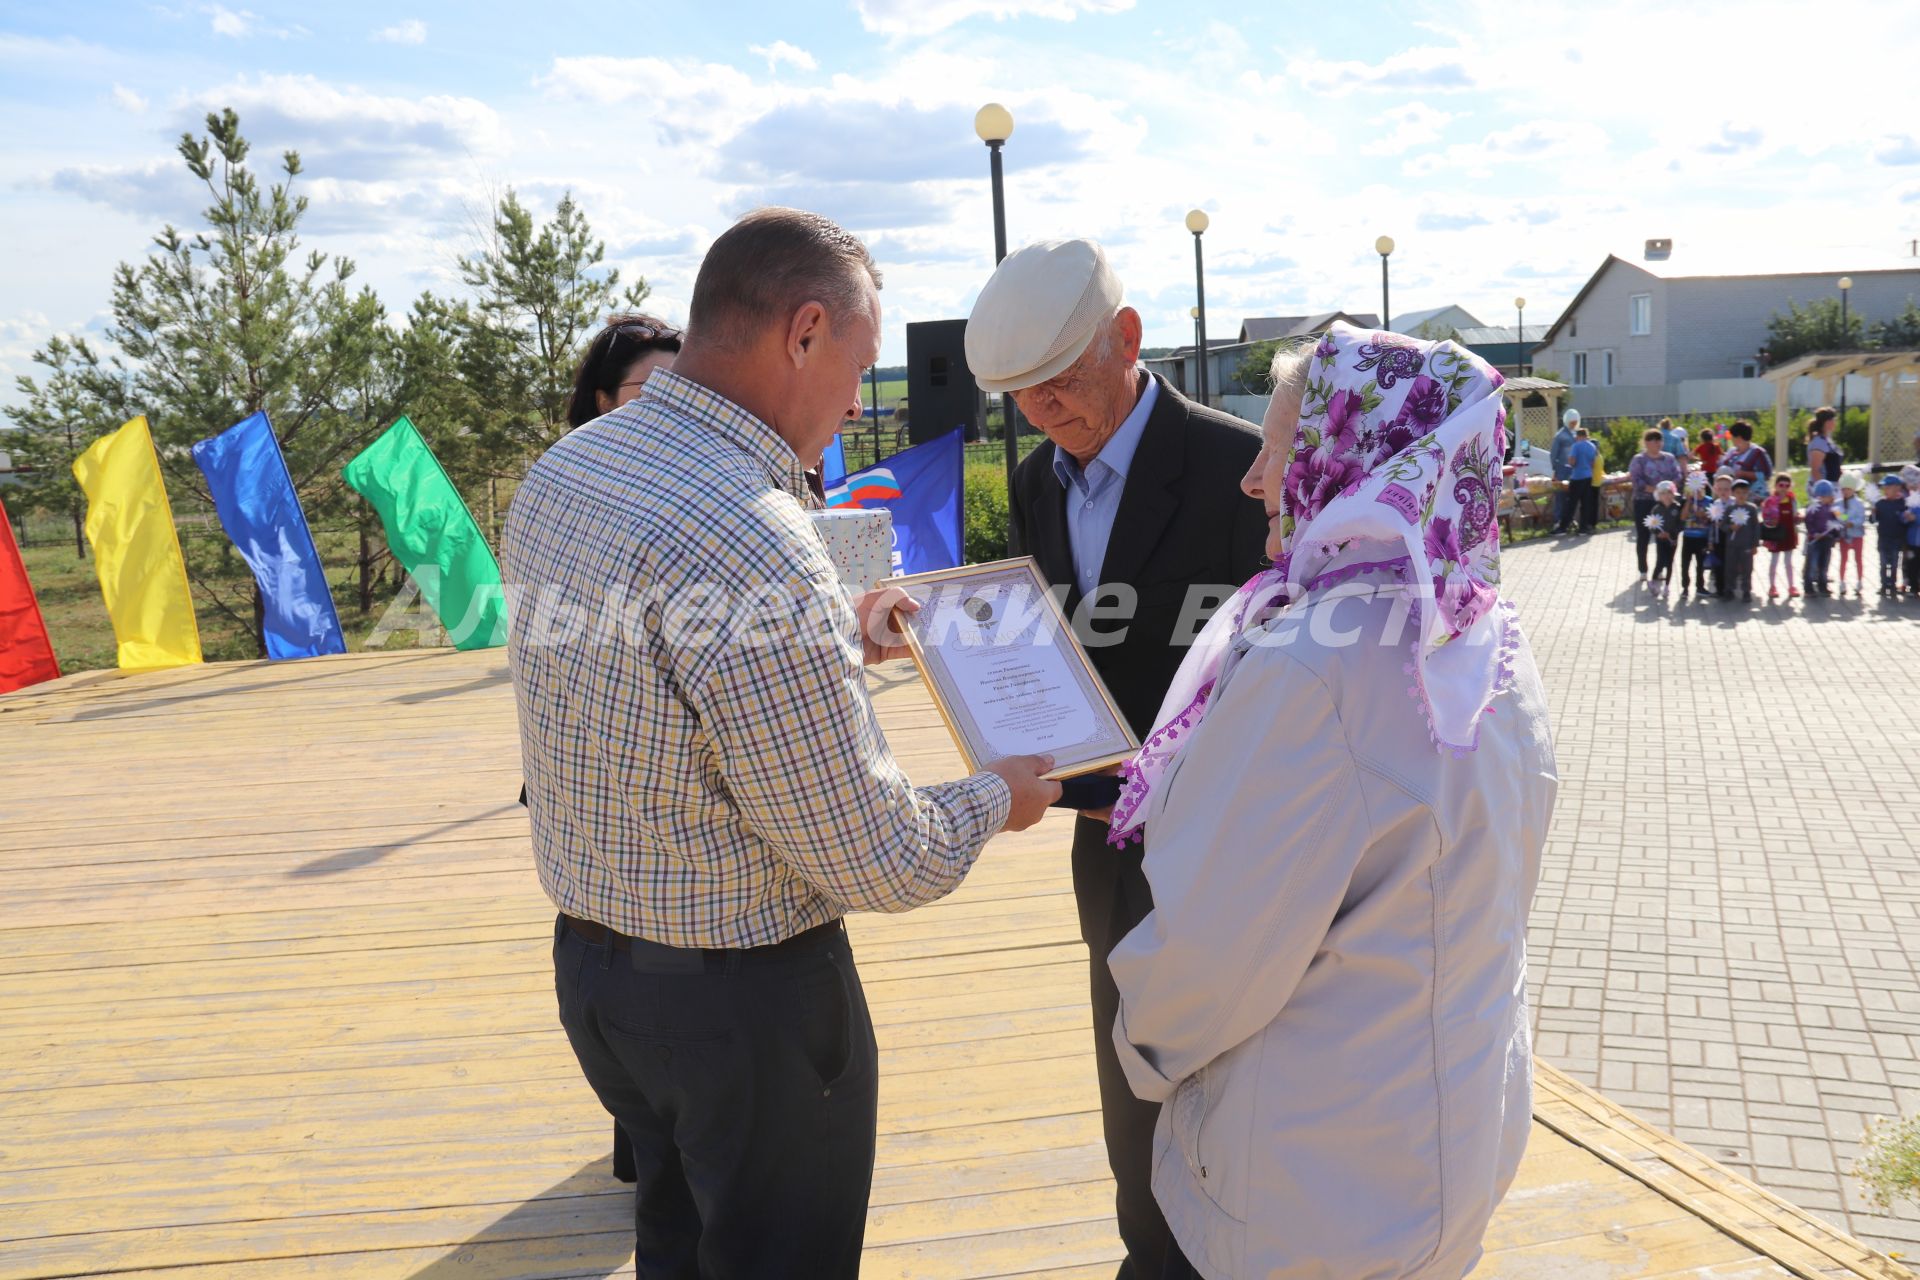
1093 492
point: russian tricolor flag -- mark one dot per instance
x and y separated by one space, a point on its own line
922 487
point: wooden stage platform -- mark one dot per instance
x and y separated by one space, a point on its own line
275 1000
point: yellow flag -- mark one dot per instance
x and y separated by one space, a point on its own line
136 551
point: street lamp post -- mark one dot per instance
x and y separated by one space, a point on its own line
1384 247
1197 223
994 125
1520 337
1846 337
1197 353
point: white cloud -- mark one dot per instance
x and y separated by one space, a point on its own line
1414 124
127 100
238 24
1436 220
924 17
1532 143
411 31
231 23
1734 139
1897 148
687 100
1423 70
780 51
360 132
370 161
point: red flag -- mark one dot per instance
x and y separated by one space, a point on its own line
26 656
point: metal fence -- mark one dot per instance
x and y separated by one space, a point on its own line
864 448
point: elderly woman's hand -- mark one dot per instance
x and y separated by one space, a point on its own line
1106 814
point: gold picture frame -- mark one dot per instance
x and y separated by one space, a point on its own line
1108 741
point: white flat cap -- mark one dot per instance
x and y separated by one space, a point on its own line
1037 314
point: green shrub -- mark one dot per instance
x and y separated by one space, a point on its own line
986 512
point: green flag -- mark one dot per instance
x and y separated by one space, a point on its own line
431 532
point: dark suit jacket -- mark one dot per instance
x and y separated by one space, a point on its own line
1182 523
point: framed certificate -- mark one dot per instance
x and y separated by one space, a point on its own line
1007 672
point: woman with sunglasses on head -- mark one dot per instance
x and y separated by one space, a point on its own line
617 364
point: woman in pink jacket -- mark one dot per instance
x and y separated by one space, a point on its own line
1348 792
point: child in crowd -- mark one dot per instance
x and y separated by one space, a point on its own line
1696 534
1780 532
1666 522
1708 452
1742 538
1892 517
1853 531
1717 510
1823 527
1910 477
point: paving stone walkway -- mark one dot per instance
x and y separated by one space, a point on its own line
1727 934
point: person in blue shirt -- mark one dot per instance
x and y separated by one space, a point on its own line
1581 481
1561 456
1674 441
1892 518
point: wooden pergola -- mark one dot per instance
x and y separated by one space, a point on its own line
1889 371
1516 390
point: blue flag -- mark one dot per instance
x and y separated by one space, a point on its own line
923 487
261 513
833 463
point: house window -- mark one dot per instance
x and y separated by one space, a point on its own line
1748 369
1606 368
1579 368
1640 315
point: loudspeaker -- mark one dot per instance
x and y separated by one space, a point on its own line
941 392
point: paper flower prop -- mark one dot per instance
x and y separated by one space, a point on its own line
1741 515
1717 510
1653 521
1697 482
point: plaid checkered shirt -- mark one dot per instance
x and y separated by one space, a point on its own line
703 763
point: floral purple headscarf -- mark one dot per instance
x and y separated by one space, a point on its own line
1397 455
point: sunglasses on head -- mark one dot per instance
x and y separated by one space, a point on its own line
643 330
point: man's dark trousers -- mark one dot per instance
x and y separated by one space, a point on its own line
747 1080
1586 505
1182 524
1113 896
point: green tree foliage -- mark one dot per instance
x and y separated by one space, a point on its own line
219 323
1902 333
1255 371
539 292
233 317
986 512
1814 327
62 414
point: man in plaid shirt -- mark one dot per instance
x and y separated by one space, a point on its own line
708 786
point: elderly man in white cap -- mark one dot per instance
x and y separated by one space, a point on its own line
1131 504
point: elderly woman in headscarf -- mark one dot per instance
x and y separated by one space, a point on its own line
1347 790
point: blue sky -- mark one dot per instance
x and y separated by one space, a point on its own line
1507 149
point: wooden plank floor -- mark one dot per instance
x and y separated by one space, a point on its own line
275 1000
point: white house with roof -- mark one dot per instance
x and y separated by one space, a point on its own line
1679 331
1435 322
1270 328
